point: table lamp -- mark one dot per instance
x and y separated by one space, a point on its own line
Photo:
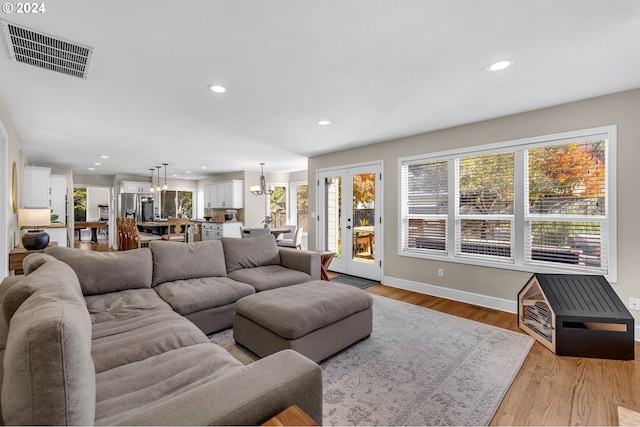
34 238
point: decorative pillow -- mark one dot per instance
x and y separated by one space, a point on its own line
49 376
251 252
32 262
103 272
179 261
50 273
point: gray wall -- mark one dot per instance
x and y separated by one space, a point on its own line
622 109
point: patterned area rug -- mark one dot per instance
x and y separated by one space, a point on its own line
358 282
419 367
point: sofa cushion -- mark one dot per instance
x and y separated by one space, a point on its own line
54 273
135 387
49 376
189 296
186 260
269 277
253 252
133 338
124 304
32 262
102 272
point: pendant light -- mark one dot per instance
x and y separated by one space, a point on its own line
151 179
165 186
158 188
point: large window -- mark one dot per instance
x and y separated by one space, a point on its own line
176 203
540 204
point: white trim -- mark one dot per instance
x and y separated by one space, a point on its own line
510 306
501 304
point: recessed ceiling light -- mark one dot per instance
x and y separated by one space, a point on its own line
188 172
217 88
500 65
98 164
104 157
175 174
92 169
203 167
324 122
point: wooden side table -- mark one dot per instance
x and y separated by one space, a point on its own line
292 416
325 261
18 253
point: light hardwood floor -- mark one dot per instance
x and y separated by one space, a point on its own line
549 389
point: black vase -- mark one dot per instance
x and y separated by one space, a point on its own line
35 240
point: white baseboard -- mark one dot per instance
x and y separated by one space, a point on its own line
453 294
464 296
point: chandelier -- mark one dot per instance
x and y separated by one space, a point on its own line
261 189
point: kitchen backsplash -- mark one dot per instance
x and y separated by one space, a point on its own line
217 215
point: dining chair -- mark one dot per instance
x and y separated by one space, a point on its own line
295 242
288 237
135 238
176 230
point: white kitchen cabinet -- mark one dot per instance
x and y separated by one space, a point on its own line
224 195
135 187
36 187
218 230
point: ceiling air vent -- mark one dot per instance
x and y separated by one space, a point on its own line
45 51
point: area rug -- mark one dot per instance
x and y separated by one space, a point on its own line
358 282
419 367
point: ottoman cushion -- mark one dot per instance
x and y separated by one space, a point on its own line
297 310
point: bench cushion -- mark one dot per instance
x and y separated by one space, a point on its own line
297 310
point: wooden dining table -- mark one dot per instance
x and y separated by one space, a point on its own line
276 231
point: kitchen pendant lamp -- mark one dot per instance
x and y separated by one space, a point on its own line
165 186
158 188
151 178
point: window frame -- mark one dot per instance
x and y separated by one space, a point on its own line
193 192
519 147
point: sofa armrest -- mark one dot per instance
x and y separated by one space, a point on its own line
305 261
249 396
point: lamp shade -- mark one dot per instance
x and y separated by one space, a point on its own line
34 217
34 239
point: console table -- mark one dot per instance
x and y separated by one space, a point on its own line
18 253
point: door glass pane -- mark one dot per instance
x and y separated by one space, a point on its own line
333 214
364 217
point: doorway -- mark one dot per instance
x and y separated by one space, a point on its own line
350 223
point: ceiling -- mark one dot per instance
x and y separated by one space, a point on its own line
378 70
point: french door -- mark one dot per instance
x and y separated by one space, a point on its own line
350 223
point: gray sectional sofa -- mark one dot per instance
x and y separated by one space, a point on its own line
119 338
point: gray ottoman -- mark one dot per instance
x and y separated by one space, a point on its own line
316 319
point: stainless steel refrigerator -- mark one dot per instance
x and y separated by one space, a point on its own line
137 205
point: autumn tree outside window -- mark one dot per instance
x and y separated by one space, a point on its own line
544 204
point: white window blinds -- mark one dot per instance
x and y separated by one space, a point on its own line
484 219
425 205
566 219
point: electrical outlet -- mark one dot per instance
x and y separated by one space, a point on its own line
634 304
441 274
